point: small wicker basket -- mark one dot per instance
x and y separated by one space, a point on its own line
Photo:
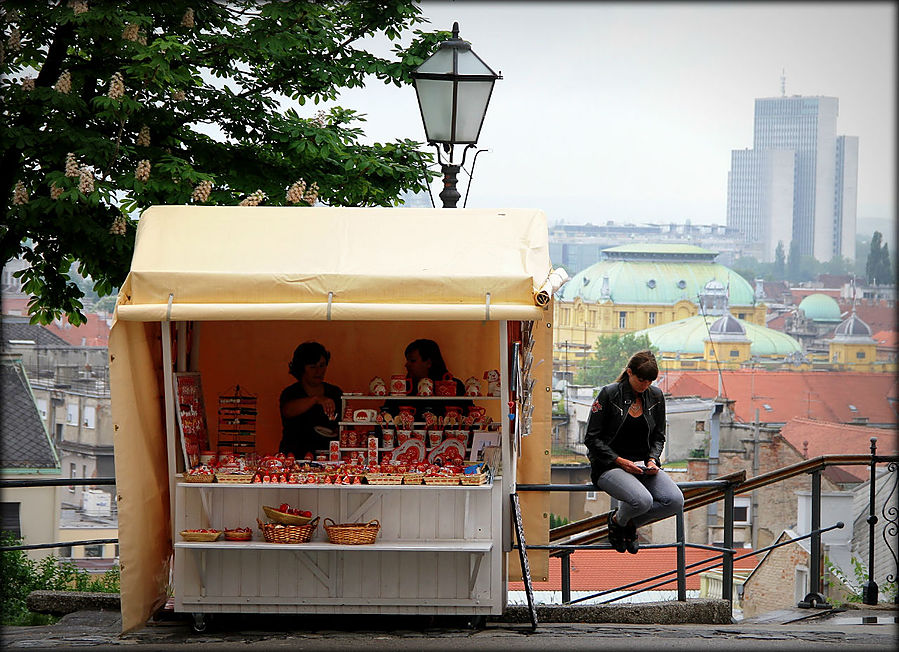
352 534
279 533
384 478
191 535
238 535
198 477
474 479
285 518
443 480
413 478
234 478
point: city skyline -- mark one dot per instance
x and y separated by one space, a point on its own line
666 92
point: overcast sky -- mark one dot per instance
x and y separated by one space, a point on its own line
629 111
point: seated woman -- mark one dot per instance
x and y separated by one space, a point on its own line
309 407
424 360
624 439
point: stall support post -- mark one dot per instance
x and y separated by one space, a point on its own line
168 393
508 460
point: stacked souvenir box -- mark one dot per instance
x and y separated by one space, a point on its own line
237 422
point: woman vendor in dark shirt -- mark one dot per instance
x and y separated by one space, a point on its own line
424 360
309 407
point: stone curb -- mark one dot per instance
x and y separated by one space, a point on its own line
695 611
60 603
698 611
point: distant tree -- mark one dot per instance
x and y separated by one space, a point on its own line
793 261
862 248
878 268
886 267
837 265
780 262
610 357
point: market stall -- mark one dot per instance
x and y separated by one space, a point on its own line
217 299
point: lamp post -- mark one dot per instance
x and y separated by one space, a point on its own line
453 87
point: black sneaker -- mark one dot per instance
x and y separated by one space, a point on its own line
630 540
617 535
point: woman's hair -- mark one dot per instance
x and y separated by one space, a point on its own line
305 354
429 350
642 363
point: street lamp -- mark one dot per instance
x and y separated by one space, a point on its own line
453 87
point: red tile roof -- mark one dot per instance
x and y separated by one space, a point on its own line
824 396
886 338
94 332
812 438
600 570
878 315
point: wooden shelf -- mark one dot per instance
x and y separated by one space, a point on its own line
441 545
405 397
341 487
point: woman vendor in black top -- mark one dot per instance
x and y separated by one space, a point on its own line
309 406
424 360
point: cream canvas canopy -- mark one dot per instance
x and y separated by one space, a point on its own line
270 265
218 263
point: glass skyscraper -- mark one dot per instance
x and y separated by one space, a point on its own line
812 200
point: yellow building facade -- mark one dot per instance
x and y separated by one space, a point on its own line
638 287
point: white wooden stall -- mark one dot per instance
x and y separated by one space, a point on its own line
364 280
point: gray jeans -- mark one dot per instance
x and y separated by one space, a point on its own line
642 498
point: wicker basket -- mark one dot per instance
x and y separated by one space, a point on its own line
189 535
279 533
198 477
284 518
413 478
384 478
234 478
444 480
352 534
238 535
474 479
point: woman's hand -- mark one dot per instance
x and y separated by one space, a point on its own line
629 466
328 406
651 468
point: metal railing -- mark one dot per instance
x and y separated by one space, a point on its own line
582 535
57 482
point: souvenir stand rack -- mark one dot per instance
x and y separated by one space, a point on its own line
441 549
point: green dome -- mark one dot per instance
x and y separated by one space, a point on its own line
660 282
689 336
820 307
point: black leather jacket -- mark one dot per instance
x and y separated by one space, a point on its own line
608 415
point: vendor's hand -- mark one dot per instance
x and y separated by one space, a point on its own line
328 407
651 468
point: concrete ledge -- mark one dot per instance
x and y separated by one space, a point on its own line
65 602
698 611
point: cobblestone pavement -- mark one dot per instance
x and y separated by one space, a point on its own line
100 630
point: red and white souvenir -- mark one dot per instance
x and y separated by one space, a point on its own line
493 382
472 386
377 386
449 451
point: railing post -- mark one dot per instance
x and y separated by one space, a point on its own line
566 577
727 568
869 587
681 556
814 598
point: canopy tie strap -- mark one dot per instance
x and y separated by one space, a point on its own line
168 310
488 307
330 298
